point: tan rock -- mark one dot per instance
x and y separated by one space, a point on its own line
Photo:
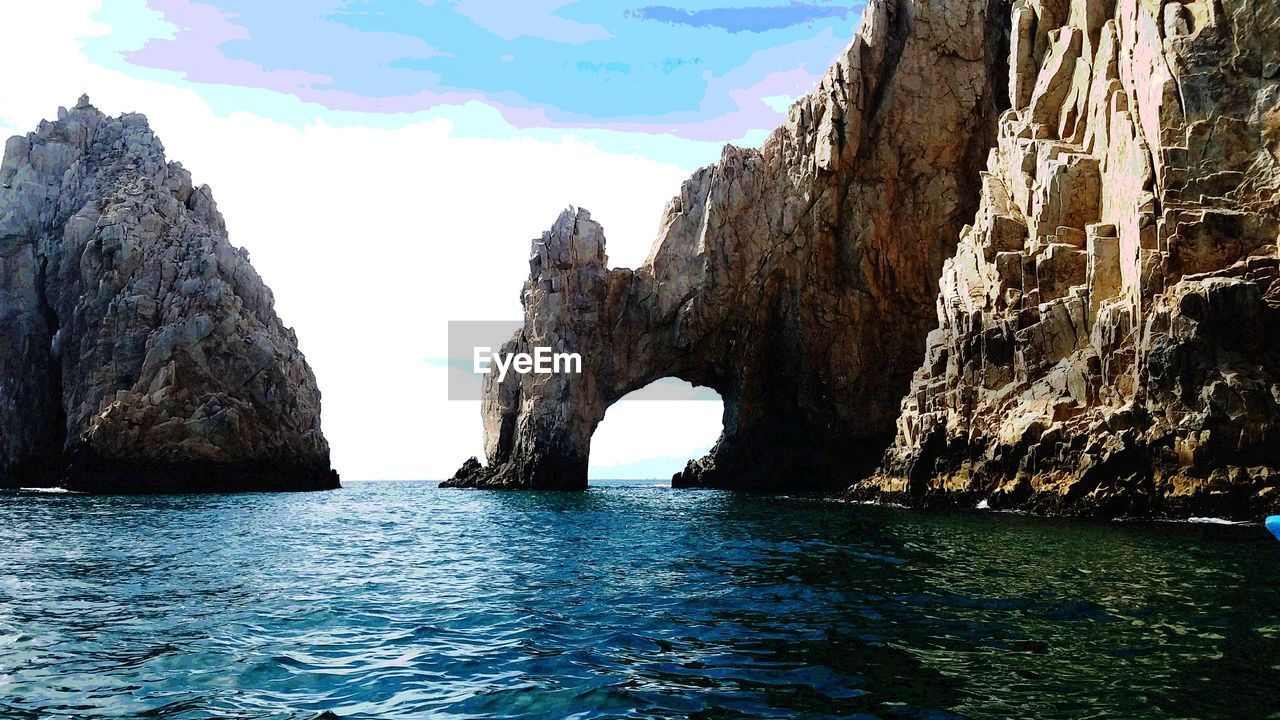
775 271
1148 379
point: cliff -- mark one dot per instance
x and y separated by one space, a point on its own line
1109 328
796 280
141 352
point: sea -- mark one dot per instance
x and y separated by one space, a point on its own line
629 600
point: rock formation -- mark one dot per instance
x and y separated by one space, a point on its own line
140 349
1109 336
796 280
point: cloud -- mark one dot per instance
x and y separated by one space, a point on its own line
546 64
743 19
371 238
266 46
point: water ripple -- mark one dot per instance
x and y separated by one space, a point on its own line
396 600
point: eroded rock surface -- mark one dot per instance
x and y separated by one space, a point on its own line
141 351
1109 336
796 280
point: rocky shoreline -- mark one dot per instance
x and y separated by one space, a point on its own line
1022 254
1107 329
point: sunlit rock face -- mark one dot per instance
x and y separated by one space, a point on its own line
796 280
1109 328
140 351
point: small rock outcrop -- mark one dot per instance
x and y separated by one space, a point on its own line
1109 338
140 351
796 280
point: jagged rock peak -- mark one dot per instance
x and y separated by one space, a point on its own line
1109 328
141 351
795 280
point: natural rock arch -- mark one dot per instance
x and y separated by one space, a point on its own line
796 280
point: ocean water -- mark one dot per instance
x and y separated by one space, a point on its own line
398 600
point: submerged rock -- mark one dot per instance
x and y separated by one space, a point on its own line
797 280
1109 338
141 352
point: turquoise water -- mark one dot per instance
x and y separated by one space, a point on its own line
397 600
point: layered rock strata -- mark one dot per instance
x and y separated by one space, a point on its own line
141 352
796 280
1109 337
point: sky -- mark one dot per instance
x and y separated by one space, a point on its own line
387 162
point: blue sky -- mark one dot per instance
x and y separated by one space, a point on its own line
692 74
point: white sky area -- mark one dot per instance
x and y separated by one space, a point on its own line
373 239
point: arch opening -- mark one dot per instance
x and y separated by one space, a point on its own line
652 433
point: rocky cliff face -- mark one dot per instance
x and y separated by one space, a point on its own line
796 280
140 349
1109 336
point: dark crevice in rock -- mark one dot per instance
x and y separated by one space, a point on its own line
57 423
38 436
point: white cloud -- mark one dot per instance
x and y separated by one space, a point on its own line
372 239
